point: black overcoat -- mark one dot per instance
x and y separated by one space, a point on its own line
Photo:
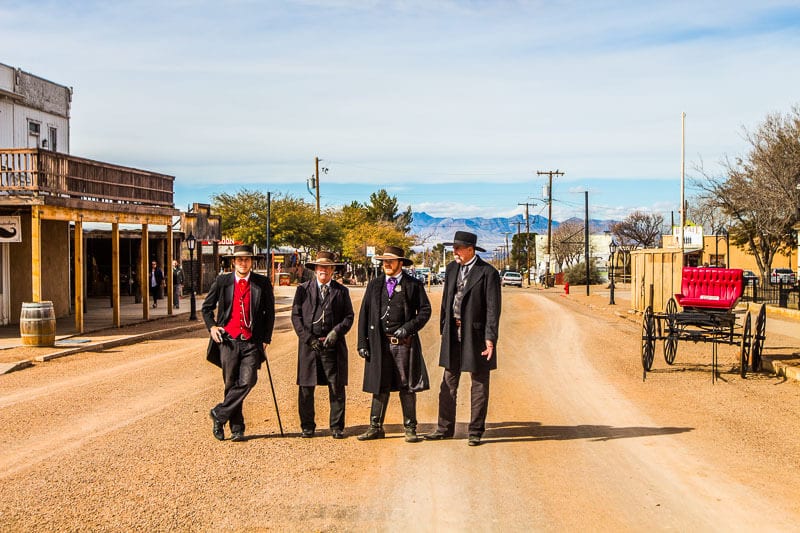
480 317
305 301
262 311
370 331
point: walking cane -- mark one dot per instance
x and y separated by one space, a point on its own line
272 387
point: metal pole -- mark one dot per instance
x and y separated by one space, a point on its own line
611 297
527 246
586 241
192 302
683 204
269 236
272 388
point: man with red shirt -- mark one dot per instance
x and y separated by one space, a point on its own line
240 335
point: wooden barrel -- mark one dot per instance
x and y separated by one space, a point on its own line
37 324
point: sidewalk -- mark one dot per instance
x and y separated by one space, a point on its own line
99 333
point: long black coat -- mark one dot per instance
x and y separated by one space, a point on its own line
305 301
370 331
262 311
480 316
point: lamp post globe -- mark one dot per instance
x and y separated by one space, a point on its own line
191 242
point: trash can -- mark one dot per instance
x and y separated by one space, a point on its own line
783 297
37 324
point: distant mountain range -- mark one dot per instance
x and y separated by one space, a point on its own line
490 231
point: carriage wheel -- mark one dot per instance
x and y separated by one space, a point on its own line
744 348
759 337
648 338
671 342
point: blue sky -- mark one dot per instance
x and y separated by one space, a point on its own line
452 106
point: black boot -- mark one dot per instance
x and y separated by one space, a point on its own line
408 402
376 416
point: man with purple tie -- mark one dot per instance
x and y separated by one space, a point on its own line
394 309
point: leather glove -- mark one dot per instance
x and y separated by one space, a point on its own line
316 345
400 333
330 339
364 353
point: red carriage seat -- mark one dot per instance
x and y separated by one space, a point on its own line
714 288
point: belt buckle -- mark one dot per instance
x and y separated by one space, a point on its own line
394 340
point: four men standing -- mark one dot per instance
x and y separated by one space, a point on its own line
394 309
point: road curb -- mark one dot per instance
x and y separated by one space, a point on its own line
780 369
6 368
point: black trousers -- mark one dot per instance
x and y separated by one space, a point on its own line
328 372
394 376
240 361
479 397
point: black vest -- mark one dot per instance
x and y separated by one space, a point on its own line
322 321
393 310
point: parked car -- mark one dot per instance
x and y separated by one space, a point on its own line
511 278
782 275
750 277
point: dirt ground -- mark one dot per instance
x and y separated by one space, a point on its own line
120 440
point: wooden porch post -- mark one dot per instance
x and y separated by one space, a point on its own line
115 292
36 255
168 271
78 272
144 271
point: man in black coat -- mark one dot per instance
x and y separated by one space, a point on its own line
155 282
240 335
394 309
322 314
469 321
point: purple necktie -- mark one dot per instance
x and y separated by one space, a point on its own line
390 283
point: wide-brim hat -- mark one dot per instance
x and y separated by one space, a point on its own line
394 252
465 238
242 250
324 259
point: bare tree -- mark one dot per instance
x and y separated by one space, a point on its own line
759 191
639 230
567 245
709 214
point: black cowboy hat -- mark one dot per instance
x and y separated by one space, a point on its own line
324 259
465 238
242 250
394 252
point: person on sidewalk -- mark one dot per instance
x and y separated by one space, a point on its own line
240 335
156 282
177 284
322 314
468 322
394 309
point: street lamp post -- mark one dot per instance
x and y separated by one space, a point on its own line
612 248
191 241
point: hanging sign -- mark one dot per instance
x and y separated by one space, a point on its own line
10 229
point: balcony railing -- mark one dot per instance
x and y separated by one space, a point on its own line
45 173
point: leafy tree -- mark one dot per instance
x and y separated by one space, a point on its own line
383 208
639 230
294 222
759 190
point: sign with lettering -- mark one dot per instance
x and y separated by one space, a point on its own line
10 229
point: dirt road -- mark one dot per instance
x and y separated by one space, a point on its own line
121 440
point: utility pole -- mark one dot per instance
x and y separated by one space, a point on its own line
550 174
519 225
527 236
316 164
586 240
507 233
